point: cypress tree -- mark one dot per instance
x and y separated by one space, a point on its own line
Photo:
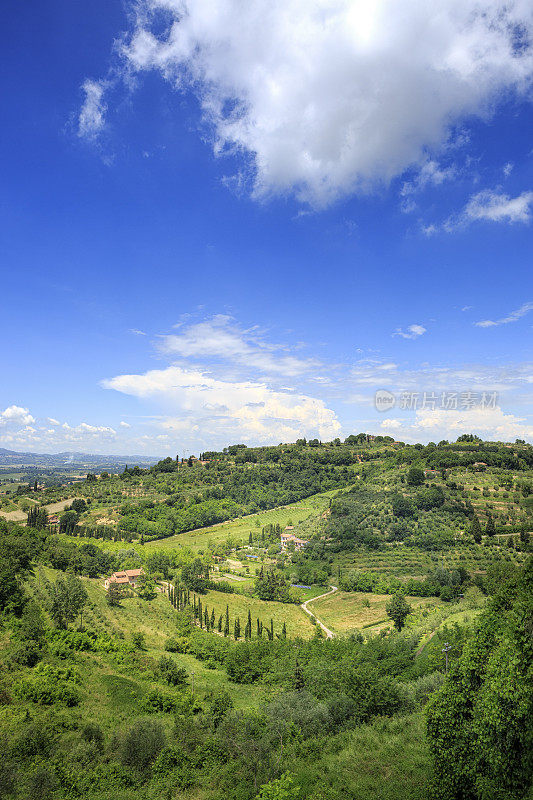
220 624
206 619
490 530
258 627
213 619
475 530
271 637
237 629
200 615
298 678
284 631
226 622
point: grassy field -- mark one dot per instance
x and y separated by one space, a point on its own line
112 692
347 612
18 515
296 620
239 529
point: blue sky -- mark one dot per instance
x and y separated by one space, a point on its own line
225 222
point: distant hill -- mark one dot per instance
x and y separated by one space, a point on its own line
10 458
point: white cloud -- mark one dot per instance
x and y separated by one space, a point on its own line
20 429
508 168
125 424
489 423
219 337
495 207
92 114
325 99
15 415
137 332
412 332
224 410
512 317
429 174
509 378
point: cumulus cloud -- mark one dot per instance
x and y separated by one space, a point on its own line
325 99
125 424
221 338
223 409
412 332
92 114
489 423
15 415
20 429
512 317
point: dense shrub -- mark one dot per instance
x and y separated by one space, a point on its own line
47 684
142 743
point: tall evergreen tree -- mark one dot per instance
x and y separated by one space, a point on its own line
284 631
475 530
220 624
237 629
298 677
226 622
490 530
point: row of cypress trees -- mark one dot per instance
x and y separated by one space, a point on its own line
180 598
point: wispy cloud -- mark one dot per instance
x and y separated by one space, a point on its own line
219 337
137 332
92 113
514 316
412 332
492 206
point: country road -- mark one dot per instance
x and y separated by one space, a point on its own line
329 634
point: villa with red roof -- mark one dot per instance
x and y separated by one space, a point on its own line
289 538
126 577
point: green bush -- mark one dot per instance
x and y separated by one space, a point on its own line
47 685
142 744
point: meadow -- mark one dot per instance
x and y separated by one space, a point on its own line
297 621
352 612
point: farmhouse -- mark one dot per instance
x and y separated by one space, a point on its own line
289 538
126 577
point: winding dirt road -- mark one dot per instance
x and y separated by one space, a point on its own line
329 634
